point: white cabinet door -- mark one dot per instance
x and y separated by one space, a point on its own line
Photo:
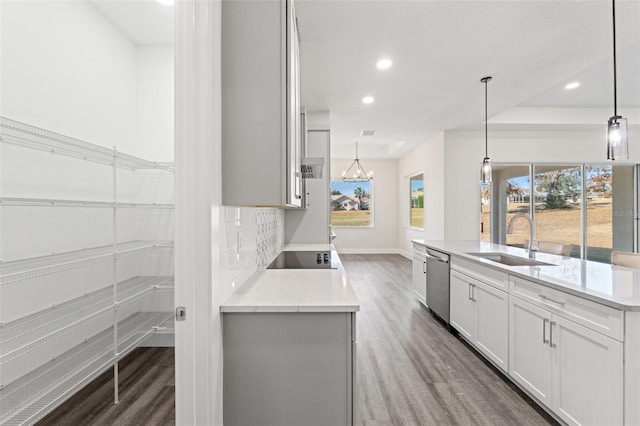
462 306
492 323
587 375
529 352
420 278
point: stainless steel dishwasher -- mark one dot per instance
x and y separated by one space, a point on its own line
438 283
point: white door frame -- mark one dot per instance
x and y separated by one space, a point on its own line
198 352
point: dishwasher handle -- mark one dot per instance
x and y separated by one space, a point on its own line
436 258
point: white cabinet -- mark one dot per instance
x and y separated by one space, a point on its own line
479 312
529 357
575 371
261 143
420 274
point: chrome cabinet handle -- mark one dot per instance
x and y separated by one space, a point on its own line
470 296
424 267
544 330
551 344
473 292
545 297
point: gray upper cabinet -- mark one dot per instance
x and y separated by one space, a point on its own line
261 144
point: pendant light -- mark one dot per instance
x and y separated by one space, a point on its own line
485 172
355 172
617 142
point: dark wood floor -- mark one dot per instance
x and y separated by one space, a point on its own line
411 370
147 394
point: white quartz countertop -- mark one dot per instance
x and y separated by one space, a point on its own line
296 290
614 286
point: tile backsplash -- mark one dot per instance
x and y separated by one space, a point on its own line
270 238
250 240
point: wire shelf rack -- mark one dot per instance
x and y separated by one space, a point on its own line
47 202
23 269
31 397
30 333
38 369
21 134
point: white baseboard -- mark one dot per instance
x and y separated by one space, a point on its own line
406 254
368 251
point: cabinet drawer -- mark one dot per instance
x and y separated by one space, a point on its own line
486 274
419 250
597 317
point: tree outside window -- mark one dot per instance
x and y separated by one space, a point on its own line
351 203
416 201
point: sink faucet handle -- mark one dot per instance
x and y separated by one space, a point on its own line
534 245
533 248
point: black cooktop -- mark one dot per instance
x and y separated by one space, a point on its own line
303 260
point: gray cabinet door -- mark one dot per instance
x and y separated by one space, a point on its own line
288 369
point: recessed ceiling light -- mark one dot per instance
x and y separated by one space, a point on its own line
367 100
384 64
166 2
367 133
572 85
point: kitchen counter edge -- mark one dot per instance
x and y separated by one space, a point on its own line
565 286
296 290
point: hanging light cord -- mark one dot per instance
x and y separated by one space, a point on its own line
486 127
615 86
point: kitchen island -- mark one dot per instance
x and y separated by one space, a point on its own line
289 346
566 331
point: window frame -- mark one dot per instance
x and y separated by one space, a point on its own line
371 209
584 240
407 201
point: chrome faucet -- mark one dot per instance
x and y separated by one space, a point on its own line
531 248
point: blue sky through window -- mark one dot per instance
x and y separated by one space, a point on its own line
347 188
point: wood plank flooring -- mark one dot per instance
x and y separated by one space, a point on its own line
411 370
147 394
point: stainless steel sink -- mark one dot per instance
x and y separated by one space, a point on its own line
509 260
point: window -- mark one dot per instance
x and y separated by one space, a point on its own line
351 203
558 204
416 201
590 206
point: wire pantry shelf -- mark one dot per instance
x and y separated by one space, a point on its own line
49 202
24 135
32 332
19 270
31 397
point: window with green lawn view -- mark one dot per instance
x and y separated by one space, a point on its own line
351 203
416 201
589 206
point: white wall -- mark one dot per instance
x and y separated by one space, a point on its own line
429 159
464 152
155 103
67 69
383 236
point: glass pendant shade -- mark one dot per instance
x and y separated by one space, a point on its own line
485 171
617 141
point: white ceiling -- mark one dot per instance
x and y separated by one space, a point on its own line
440 50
